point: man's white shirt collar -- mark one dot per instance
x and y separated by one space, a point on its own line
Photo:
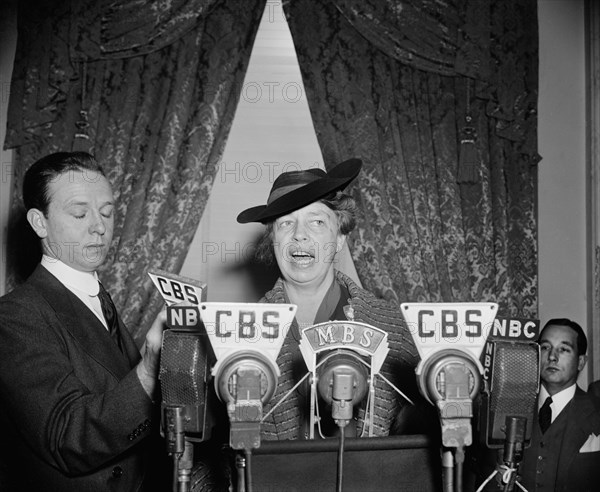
82 284
559 401
86 282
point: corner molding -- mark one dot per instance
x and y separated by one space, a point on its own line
592 16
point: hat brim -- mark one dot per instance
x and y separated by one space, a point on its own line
337 179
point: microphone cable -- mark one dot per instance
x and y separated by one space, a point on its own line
175 476
248 470
506 477
459 459
340 460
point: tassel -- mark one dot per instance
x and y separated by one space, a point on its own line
468 159
81 140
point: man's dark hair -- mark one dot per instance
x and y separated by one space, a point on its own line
581 338
41 173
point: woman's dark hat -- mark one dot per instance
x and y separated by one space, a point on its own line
296 189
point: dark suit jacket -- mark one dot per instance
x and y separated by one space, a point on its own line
576 471
594 389
71 403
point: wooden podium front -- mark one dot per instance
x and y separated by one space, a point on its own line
377 464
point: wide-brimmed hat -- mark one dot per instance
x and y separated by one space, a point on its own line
295 189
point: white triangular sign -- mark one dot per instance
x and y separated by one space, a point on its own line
439 326
235 327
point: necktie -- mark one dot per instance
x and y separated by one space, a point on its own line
110 315
545 415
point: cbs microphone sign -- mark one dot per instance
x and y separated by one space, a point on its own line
438 326
174 288
251 327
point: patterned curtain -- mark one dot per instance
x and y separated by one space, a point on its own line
439 100
150 88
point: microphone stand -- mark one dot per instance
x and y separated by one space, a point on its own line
341 382
447 471
242 463
180 448
459 459
513 448
245 414
184 468
341 412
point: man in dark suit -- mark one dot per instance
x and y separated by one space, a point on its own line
565 447
76 395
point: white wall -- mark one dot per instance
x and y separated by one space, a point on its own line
562 175
8 41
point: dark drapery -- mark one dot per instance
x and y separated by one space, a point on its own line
448 205
439 100
150 88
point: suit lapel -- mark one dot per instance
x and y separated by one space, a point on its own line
82 324
130 348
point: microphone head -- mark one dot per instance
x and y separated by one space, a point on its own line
342 368
512 390
442 370
237 366
184 375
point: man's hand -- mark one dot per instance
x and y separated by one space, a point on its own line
147 369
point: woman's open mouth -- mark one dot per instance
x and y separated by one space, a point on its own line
302 257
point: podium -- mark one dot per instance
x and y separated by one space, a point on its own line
378 464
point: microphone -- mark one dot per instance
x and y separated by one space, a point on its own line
246 339
350 355
184 380
342 382
244 383
451 380
510 389
187 396
508 402
183 373
450 338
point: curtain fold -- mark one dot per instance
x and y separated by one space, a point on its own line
422 33
105 29
157 122
439 100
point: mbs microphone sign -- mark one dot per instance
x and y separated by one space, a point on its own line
331 335
353 335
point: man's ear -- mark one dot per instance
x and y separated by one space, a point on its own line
37 221
582 359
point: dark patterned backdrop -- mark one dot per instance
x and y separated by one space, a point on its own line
439 100
437 97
